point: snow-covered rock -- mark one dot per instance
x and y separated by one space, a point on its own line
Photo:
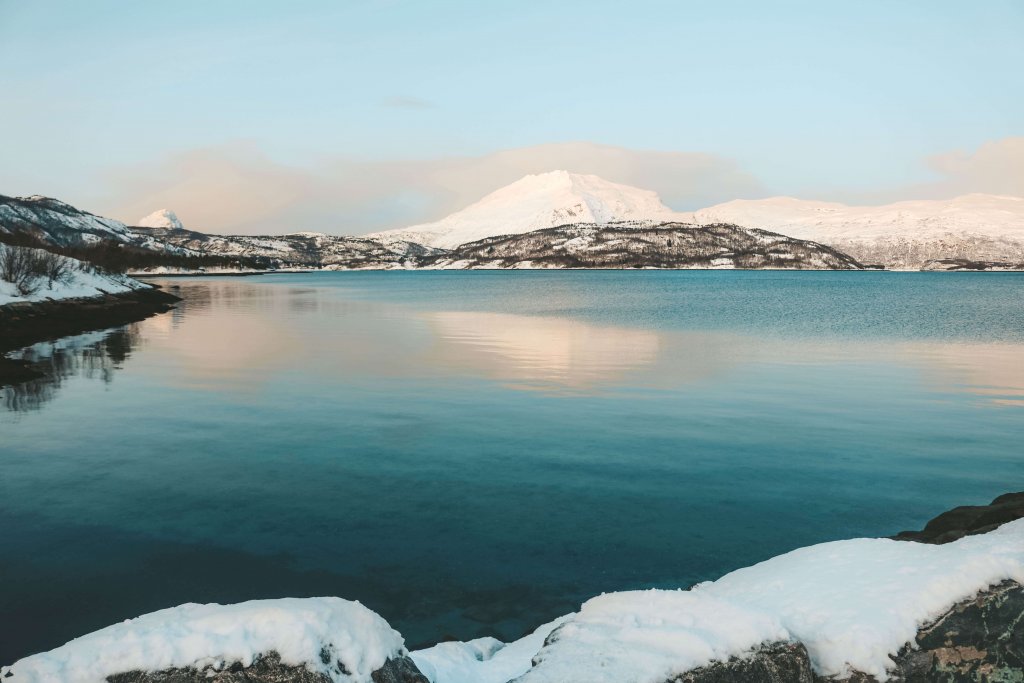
545 200
978 227
334 640
853 604
484 660
162 218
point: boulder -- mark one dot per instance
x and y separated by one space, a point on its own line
968 520
771 663
270 669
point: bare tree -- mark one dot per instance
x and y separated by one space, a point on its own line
19 266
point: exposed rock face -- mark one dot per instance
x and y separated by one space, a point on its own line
774 663
270 669
979 640
968 520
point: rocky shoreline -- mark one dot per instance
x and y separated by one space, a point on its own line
25 323
978 638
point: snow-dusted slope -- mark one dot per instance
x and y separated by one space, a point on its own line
904 234
538 201
294 250
643 245
163 218
54 222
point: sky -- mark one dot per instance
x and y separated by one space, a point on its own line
348 117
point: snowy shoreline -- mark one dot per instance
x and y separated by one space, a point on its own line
861 609
23 323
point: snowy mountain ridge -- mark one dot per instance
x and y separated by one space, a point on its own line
535 202
900 235
52 220
905 234
162 218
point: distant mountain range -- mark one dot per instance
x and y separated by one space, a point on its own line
975 227
564 220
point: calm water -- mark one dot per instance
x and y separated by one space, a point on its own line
474 453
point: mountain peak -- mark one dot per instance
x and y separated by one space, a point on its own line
537 201
162 218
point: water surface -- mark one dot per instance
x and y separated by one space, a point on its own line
472 453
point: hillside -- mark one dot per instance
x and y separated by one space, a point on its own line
296 250
663 245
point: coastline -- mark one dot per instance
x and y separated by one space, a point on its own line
25 323
967 633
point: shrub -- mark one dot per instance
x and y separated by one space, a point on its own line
54 267
20 266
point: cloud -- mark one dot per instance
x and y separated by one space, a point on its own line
238 189
996 167
406 102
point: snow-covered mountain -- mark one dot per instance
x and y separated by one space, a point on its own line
53 222
535 202
643 245
49 223
906 234
295 250
163 218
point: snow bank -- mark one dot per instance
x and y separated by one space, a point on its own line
484 660
79 283
852 603
218 635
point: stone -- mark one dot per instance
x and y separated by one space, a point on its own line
968 520
270 669
772 663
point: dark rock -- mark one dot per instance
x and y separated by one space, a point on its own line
968 520
398 670
773 663
979 640
269 669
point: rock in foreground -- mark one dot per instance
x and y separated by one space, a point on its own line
653 245
859 610
310 640
968 520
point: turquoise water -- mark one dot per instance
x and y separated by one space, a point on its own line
473 453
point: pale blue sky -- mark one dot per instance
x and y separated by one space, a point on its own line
823 99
